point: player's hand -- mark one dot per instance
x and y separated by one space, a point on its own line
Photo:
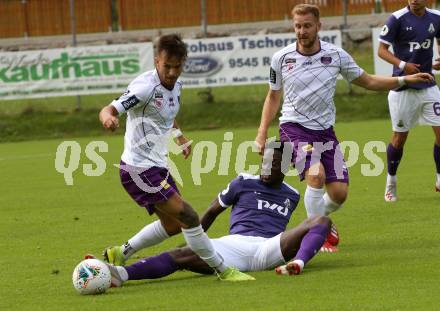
420 77
436 65
185 144
411 68
260 142
110 122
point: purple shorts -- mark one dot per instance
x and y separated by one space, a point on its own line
309 147
147 186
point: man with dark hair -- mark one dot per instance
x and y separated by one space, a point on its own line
152 102
261 209
305 73
412 32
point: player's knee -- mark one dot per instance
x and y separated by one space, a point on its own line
339 197
178 255
398 140
316 180
188 216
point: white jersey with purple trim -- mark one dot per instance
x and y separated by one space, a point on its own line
151 110
309 83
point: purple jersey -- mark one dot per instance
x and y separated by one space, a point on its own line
412 38
258 210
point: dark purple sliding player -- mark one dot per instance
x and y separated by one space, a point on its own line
304 73
152 102
258 240
411 32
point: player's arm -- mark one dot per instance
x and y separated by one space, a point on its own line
383 83
211 214
386 55
109 117
181 140
436 65
270 109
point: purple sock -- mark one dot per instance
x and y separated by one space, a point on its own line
393 157
152 267
312 242
437 157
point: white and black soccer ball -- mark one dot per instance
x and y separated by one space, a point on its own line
91 276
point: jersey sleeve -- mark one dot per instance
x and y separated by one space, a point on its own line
389 30
275 73
137 93
229 196
349 69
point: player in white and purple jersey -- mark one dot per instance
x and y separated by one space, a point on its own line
152 102
305 72
412 32
261 209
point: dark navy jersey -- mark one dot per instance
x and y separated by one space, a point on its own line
413 39
258 210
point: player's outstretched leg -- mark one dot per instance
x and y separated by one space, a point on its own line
152 234
302 243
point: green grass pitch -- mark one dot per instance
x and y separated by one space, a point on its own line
389 258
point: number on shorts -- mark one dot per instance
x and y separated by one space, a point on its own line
436 107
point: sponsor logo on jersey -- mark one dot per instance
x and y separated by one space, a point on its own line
431 28
282 210
158 95
307 63
201 66
130 102
417 46
326 60
384 31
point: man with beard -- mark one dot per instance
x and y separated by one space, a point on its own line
306 72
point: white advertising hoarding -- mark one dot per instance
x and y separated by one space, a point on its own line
72 71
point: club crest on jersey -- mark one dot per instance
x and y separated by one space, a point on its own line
171 102
158 99
431 28
326 60
384 31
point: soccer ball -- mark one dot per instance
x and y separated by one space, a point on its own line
91 276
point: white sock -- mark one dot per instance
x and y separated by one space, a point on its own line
122 273
150 235
329 205
438 179
300 263
200 244
314 202
391 179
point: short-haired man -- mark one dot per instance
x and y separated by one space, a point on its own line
411 32
152 102
306 72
